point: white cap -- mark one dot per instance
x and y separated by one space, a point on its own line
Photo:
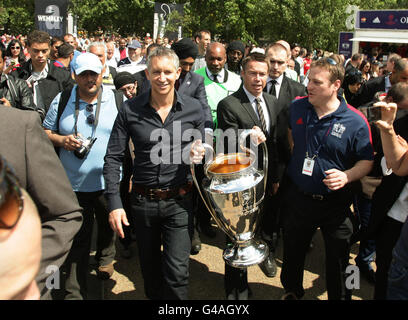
87 61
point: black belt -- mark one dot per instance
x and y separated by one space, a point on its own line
162 194
314 196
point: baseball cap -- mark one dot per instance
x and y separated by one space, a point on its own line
134 44
87 61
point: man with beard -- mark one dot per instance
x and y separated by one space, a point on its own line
192 84
81 132
235 54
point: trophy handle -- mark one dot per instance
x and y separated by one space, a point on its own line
242 139
192 168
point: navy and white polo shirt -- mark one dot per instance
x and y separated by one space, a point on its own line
339 139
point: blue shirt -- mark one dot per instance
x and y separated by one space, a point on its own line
85 174
339 140
73 61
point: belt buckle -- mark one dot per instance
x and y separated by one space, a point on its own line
317 197
151 194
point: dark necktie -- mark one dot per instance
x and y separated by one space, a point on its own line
272 90
261 114
215 77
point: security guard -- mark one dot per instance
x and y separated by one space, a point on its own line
331 148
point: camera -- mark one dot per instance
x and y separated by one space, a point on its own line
372 111
86 145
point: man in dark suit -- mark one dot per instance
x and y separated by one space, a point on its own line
285 90
368 90
244 109
192 84
27 148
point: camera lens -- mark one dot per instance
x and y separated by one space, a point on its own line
80 152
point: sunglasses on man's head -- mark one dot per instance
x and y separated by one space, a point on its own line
91 118
11 197
331 61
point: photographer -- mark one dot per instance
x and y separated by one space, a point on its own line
396 154
81 131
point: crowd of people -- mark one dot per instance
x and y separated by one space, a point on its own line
95 129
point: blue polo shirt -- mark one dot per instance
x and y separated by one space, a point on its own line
339 140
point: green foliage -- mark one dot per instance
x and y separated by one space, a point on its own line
126 17
312 23
17 16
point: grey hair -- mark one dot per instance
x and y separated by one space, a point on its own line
163 52
97 44
400 65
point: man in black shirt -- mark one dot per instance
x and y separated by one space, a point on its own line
162 124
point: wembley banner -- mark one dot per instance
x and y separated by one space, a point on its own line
162 15
51 16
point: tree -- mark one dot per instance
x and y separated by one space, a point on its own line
126 17
314 24
17 17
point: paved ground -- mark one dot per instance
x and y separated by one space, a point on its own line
207 270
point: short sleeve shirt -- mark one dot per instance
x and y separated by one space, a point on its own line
85 175
336 141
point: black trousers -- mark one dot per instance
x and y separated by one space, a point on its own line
168 223
302 216
385 240
235 280
77 263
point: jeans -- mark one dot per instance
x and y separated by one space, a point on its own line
77 264
168 223
397 280
362 207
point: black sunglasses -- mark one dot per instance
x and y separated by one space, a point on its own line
91 118
15 47
11 197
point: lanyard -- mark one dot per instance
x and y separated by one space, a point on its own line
98 108
324 138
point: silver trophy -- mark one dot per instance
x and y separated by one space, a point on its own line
233 191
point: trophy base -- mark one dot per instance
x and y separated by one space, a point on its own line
247 254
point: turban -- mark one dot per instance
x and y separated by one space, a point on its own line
123 78
185 48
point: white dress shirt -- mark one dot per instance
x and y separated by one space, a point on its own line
252 100
277 85
220 76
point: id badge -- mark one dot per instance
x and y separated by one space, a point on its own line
308 165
